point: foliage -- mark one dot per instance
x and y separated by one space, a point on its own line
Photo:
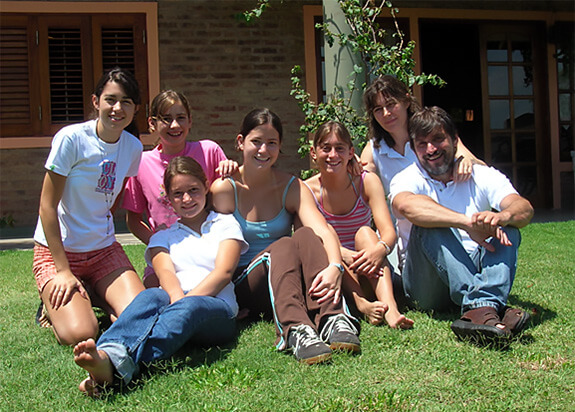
7 221
381 52
257 11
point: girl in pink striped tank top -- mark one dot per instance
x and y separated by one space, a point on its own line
349 204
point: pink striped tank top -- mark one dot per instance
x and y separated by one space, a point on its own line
348 224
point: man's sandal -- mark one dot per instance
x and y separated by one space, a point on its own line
480 326
514 319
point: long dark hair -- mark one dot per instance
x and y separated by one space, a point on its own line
130 86
389 87
258 117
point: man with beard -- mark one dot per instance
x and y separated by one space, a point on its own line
458 240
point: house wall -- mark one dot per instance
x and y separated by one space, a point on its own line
226 68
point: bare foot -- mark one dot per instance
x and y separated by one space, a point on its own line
42 317
373 311
96 362
90 387
396 320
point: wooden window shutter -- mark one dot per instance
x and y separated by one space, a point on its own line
18 108
118 48
66 80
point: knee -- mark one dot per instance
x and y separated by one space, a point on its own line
303 233
284 246
154 296
364 235
76 330
513 234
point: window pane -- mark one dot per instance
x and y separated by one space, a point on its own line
521 51
496 51
523 80
566 140
526 180
507 171
499 114
524 117
498 80
565 107
563 75
66 87
525 145
501 148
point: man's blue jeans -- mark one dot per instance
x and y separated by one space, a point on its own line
438 270
150 328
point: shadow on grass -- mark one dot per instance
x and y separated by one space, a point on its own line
189 356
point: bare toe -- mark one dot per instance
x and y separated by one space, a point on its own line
89 387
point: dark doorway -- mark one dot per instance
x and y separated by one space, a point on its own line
451 50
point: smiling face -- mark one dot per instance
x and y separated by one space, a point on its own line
173 126
261 146
187 195
115 111
436 154
332 154
391 114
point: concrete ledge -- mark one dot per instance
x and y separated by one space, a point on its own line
28 243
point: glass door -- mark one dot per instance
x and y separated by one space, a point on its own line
513 140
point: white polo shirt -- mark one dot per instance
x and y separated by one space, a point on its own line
484 191
388 162
194 254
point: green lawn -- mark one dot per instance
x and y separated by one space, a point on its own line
424 369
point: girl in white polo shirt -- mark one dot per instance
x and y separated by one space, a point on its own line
194 260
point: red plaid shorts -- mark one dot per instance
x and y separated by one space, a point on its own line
89 267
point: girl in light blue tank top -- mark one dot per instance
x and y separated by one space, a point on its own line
293 278
260 235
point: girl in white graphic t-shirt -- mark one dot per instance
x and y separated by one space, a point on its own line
75 241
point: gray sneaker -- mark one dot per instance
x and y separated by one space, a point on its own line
307 346
341 334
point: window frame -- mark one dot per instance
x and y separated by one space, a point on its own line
97 12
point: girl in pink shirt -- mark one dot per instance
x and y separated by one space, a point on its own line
148 208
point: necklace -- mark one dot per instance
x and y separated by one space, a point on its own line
107 181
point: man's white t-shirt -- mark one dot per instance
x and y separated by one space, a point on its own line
484 191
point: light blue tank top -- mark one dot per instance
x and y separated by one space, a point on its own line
260 235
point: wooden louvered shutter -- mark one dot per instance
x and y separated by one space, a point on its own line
18 98
119 41
49 66
66 80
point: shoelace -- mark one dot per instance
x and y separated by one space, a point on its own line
339 323
305 336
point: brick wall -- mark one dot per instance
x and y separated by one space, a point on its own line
21 175
224 66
